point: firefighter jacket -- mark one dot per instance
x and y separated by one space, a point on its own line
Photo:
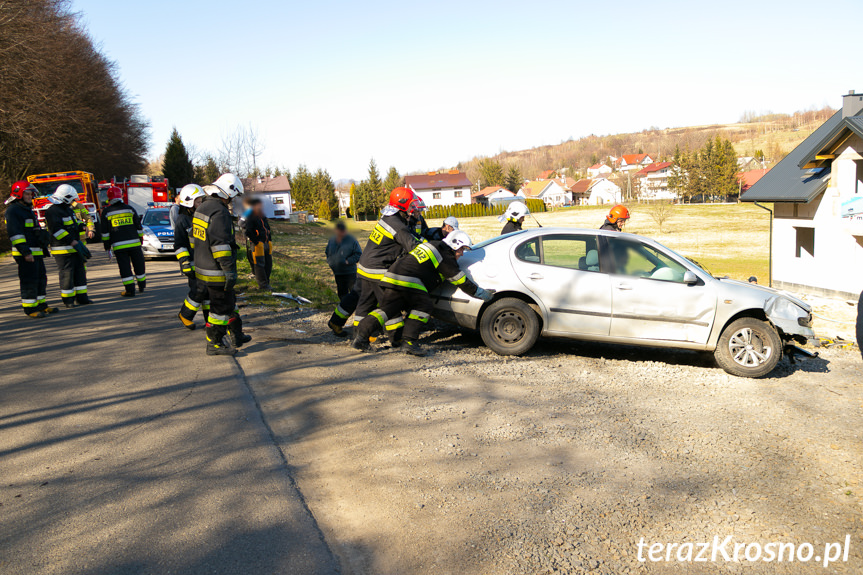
83 215
23 230
425 267
609 226
64 228
185 251
511 226
213 242
121 227
257 230
389 239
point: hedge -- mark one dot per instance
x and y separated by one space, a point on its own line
477 210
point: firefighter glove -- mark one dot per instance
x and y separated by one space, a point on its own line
484 294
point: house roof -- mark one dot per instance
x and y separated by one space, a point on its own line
581 186
431 181
654 167
747 179
265 185
545 175
633 158
786 182
535 188
487 191
597 166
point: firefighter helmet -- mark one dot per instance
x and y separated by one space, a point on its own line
515 211
189 194
115 194
65 194
227 186
402 199
618 212
18 189
457 240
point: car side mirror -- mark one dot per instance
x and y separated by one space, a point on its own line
689 278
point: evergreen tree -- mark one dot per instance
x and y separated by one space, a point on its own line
393 180
377 195
491 173
324 210
514 180
177 167
325 190
303 190
353 193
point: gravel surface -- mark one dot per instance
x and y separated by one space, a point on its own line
562 460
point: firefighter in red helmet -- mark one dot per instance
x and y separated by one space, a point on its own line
121 233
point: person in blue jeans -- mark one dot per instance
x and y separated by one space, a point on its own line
343 252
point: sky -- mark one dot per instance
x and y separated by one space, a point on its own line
424 85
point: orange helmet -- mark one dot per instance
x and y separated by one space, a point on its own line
401 199
618 212
114 193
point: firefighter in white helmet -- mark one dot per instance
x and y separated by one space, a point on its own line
216 264
67 246
189 198
406 286
514 217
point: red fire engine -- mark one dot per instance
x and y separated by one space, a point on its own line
140 192
83 183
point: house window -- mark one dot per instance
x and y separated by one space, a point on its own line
436 195
278 200
805 242
457 193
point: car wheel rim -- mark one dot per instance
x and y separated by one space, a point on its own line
509 327
749 348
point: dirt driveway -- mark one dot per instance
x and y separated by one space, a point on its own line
561 461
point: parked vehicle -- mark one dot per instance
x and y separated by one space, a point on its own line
140 192
158 237
620 288
83 182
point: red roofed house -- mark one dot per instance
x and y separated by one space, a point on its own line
598 170
595 192
748 179
628 162
654 182
489 194
441 189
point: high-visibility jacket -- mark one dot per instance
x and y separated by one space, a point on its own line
511 226
213 240
64 228
23 230
424 267
389 239
185 251
121 227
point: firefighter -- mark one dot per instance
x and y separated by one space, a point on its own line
83 215
121 233
514 217
24 233
406 286
68 250
259 243
390 238
216 264
450 225
188 200
616 219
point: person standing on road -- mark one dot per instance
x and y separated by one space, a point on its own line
68 250
406 285
189 198
216 264
24 233
514 217
121 233
450 225
343 252
259 243
616 219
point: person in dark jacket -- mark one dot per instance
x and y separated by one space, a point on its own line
121 233
616 219
450 225
514 217
216 264
259 243
68 250
343 252
406 285
860 324
189 198
25 235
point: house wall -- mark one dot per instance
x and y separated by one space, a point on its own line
448 196
604 192
554 195
277 205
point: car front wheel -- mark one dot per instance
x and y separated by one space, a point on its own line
509 327
748 347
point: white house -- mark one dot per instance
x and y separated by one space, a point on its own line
275 194
597 170
654 182
817 196
629 162
491 195
441 189
549 191
596 192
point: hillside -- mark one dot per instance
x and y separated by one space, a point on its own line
773 134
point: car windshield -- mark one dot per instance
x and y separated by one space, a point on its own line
481 245
157 218
48 188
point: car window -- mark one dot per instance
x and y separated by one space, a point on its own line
157 218
571 251
528 251
639 260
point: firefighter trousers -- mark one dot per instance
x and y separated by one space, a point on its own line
418 305
73 277
127 260
34 283
224 314
196 300
347 304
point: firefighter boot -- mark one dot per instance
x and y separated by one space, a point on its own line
338 331
414 348
396 340
48 309
235 332
36 314
360 344
187 323
141 285
215 343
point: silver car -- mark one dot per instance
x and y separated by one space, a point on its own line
620 288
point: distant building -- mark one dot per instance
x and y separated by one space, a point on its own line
275 194
549 191
441 189
654 182
598 170
748 179
748 163
629 162
491 194
595 192
817 196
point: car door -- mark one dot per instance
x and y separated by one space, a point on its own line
563 272
650 299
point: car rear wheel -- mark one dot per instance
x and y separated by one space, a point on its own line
509 327
748 347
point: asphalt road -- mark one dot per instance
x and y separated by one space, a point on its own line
124 449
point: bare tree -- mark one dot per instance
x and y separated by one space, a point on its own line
661 212
241 150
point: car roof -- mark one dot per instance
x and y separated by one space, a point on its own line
534 232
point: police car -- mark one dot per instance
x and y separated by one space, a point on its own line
158 240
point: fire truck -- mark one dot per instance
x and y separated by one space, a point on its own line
83 182
140 192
